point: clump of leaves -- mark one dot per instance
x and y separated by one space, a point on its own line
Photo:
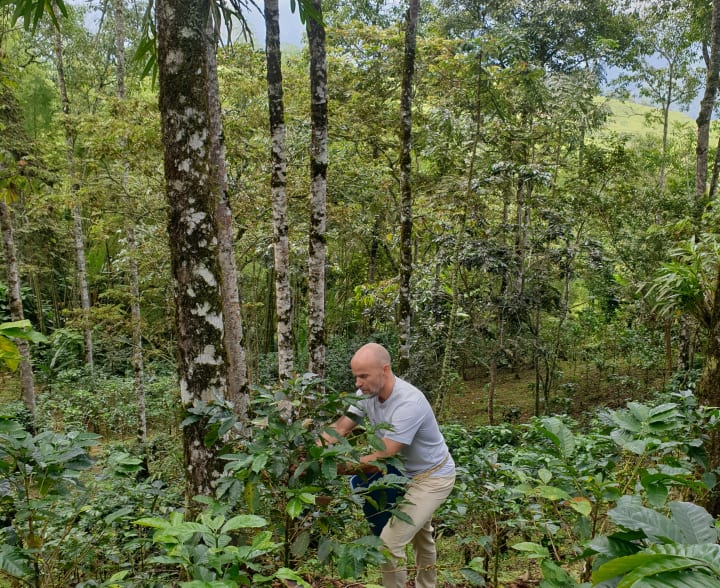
653 549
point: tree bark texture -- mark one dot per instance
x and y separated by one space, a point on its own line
192 192
27 378
318 193
706 107
238 391
406 220
278 183
74 187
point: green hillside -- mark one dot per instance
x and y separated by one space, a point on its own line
631 118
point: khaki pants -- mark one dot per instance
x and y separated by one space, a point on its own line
422 499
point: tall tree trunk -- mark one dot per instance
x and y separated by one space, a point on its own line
278 182
443 385
131 243
318 192
192 191
706 107
27 378
74 187
406 220
238 391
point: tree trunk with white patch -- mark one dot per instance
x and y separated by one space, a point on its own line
278 183
318 193
192 191
27 378
406 220
74 188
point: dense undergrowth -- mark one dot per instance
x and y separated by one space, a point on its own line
611 502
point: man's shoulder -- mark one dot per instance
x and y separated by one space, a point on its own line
407 391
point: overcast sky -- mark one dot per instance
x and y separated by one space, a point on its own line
291 29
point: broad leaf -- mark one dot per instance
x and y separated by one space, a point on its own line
288 574
657 527
243 522
555 430
534 550
685 579
657 565
697 525
13 563
707 555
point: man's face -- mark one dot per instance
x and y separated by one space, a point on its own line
369 375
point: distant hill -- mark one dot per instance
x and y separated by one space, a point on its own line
630 118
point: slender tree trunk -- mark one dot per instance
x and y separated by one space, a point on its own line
406 220
318 192
27 378
74 187
193 191
715 172
492 387
706 107
455 279
238 391
131 244
278 182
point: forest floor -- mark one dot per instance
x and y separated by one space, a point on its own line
581 391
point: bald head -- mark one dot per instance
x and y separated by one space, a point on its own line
374 353
372 370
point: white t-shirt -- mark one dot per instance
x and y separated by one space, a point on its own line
412 423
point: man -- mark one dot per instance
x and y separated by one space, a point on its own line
414 436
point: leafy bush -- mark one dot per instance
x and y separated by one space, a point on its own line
282 474
652 549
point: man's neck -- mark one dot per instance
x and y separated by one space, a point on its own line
388 389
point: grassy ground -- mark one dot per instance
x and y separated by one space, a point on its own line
582 389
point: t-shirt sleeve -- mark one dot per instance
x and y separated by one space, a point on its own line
406 421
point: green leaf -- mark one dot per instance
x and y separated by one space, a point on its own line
684 579
697 525
13 562
294 507
661 563
552 493
243 522
534 550
581 505
288 574
300 545
554 576
561 436
545 475
706 555
622 565
629 513
154 522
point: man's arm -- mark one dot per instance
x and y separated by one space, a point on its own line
391 448
367 462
